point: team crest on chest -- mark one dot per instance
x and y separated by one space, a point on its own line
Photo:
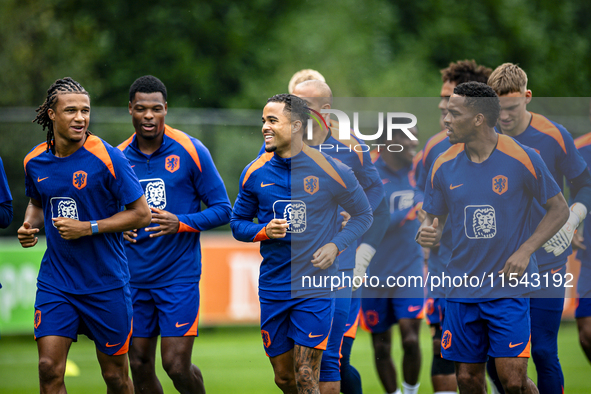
294 211
79 179
311 184
63 207
500 184
155 192
172 163
480 221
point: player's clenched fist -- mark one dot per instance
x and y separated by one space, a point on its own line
428 236
324 257
276 228
72 229
26 235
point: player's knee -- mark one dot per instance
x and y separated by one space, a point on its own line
115 378
382 349
515 385
176 369
469 382
410 344
285 380
585 336
543 355
50 370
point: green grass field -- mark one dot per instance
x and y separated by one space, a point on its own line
233 361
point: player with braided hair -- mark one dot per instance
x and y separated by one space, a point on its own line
77 183
61 86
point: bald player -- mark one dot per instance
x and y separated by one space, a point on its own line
352 263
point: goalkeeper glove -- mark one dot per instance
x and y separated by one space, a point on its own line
363 256
562 239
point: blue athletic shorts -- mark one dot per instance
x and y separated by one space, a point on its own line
171 311
353 320
583 307
381 313
104 317
498 328
435 310
298 321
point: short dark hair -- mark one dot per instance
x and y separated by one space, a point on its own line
482 98
147 84
293 105
465 71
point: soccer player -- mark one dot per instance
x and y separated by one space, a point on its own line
382 309
583 311
355 259
442 371
473 182
556 146
177 174
5 199
77 183
294 191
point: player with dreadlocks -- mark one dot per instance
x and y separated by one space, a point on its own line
76 183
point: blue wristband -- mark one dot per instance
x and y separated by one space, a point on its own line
94 227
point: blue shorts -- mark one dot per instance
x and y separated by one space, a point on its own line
498 328
297 321
104 317
381 313
171 311
330 367
583 307
435 310
353 319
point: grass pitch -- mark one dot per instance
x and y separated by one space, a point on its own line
232 360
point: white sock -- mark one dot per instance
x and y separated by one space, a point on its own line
408 389
396 392
446 392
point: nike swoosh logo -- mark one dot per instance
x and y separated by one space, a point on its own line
314 336
555 270
41 179
414 308
517 344
455 187
180 325
268 184
133 166
112 345
341 288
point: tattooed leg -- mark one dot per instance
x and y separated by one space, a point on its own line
307 369
284 372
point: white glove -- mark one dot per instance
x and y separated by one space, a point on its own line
562 239
363 256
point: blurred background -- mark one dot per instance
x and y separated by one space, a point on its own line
220 61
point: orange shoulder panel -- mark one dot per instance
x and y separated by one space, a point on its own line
125 143
375 155
185 141
543 125
265 157
323 163
437 138
96 146
508 146
34 153
448 155
351 143
583 141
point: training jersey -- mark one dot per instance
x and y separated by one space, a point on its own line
307 190
398 253
176 178
352 153
556 146
4 189
90 184
355 154
438 257
583 144
489 211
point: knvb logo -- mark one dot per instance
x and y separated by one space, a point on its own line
345 129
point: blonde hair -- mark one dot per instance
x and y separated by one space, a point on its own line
303 75
508 78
